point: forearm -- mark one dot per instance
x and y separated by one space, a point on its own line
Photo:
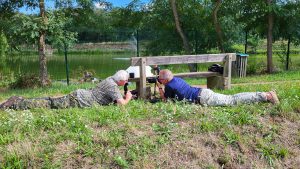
162 94
124 100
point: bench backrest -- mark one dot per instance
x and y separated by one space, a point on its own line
182 59
227 58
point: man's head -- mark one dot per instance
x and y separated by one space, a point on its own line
121 77
165 76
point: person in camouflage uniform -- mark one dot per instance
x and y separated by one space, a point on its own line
177 89
106 92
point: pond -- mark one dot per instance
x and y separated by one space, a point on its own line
102 64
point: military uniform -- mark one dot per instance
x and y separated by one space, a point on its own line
106 92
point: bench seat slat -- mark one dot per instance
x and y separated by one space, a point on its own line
189 74
182 59
197 74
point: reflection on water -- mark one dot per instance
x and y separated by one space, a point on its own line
104 64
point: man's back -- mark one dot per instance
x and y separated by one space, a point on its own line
177 88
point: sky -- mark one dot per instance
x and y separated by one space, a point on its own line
50 5
122 3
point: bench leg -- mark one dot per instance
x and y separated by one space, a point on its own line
217 82
137 86
148 91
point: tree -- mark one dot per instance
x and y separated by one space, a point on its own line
270 36
42 45
8 8
192 67
288 26
178 27
217 25
258 16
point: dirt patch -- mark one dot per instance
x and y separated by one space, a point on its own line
65 148
207 150
65 153
288 137
25 150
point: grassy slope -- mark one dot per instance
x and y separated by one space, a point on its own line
162 135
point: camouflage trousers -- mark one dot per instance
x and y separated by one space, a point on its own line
210 98
19 103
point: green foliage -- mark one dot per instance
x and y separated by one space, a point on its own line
238 48
231 137
155 23
3 44
121 162
58 34
271 152
13 161
282 54
80 72
253 43
26 81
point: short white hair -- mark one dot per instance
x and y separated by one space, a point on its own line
166 74
120 75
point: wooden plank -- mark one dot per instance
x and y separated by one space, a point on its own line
245 71
142 85
182 59
227 72
197 74
189 74
136 79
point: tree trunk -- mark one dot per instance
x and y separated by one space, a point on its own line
217 25
42 47
270 39
246 41
192 67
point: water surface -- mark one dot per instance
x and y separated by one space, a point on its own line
103 64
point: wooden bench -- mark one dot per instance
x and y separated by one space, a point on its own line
214 79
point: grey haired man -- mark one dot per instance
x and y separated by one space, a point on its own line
106 92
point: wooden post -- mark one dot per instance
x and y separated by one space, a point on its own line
245 71
227 72
142 86
215 82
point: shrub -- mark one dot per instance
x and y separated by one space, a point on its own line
84 75
3 44
27 80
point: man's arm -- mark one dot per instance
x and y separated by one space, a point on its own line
124 101
161 92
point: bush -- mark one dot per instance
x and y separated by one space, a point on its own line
28 80
85 75
3 44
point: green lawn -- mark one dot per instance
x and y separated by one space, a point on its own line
161 135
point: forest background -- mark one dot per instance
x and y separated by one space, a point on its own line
263 29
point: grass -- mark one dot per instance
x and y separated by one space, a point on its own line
161 135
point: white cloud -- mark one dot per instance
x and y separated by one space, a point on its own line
100 5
